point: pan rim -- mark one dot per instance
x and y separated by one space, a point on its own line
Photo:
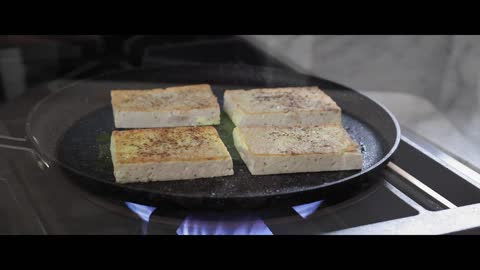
381 162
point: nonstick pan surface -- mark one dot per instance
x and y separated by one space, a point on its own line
71 128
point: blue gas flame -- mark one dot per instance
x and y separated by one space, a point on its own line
306 210
222 224
193 225
143 211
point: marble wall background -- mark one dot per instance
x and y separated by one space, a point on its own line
431 83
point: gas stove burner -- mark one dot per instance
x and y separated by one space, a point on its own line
212 223
223 225
196 222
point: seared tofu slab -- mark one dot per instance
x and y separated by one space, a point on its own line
192 105
161 154
281 107
295 149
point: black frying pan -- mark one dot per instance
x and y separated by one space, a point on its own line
71 129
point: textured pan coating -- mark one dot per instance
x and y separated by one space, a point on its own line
369 124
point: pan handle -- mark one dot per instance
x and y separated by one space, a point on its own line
23 144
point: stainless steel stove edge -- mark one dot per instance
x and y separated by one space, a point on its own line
452 220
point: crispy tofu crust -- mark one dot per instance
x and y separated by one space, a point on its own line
168 144
281 100
329 139
181 98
